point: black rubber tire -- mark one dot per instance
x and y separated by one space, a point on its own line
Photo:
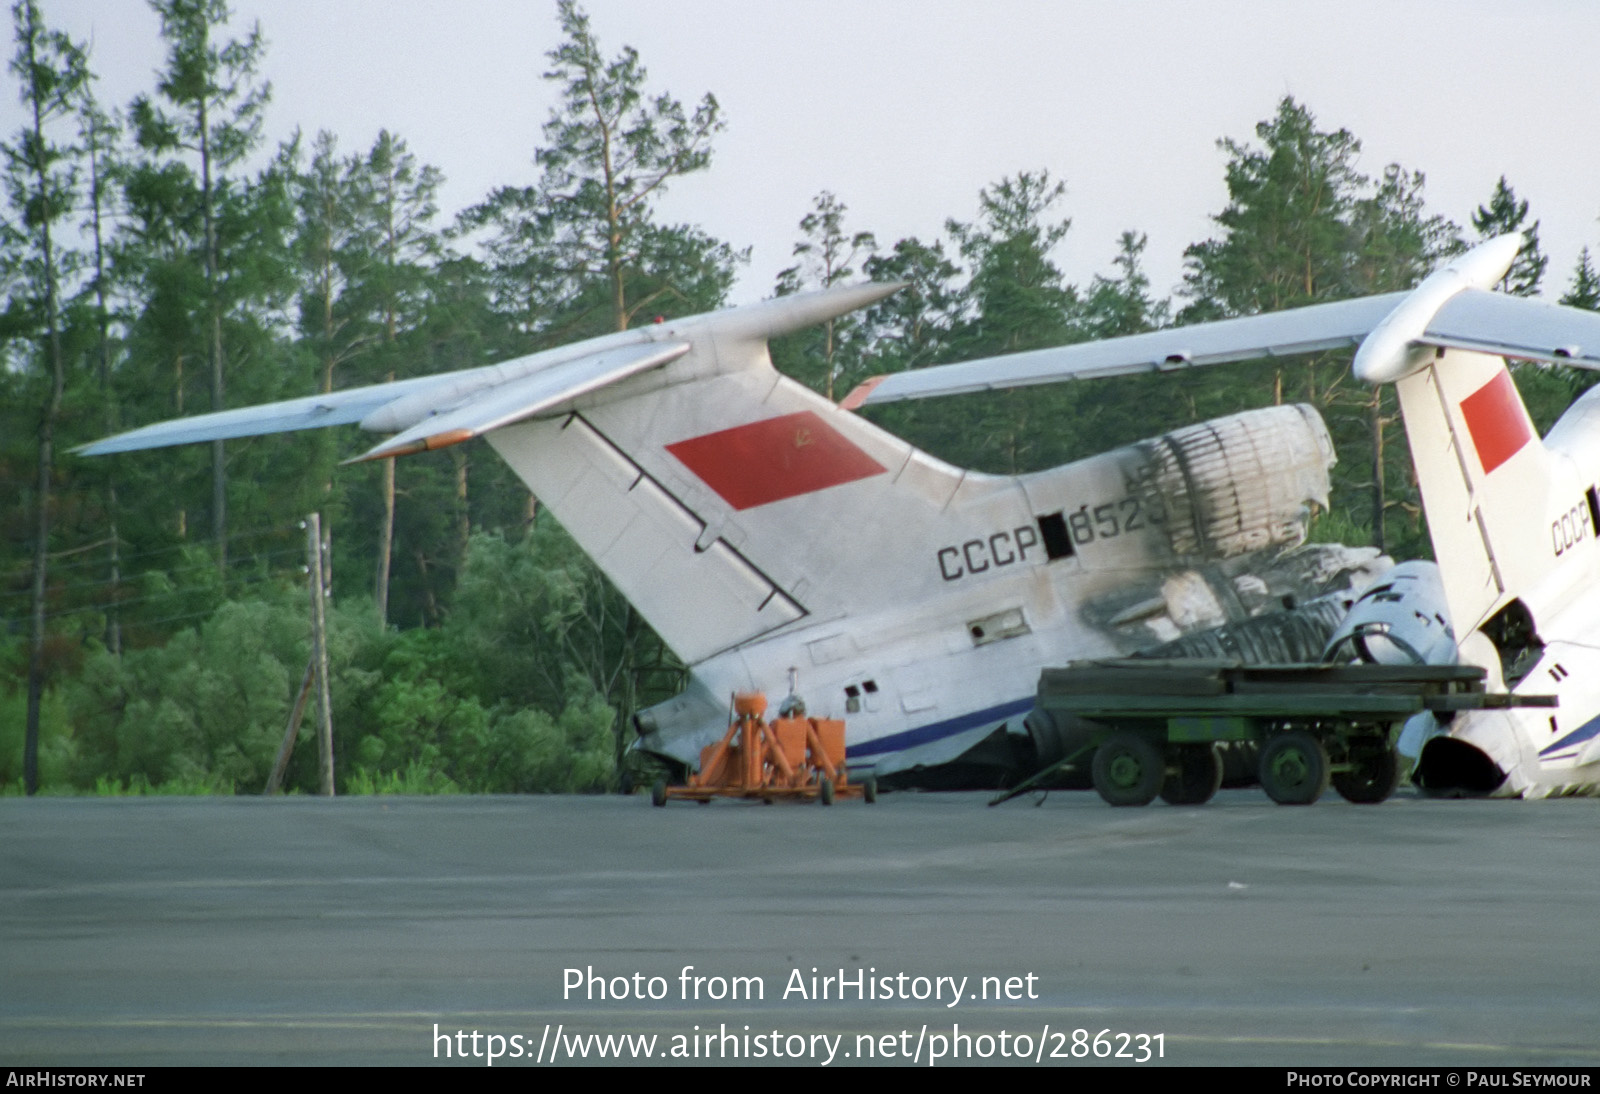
658 793
1374 773
1127 770
1194 775
869 790
1294 768
825 790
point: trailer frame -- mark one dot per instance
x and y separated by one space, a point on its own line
1155 725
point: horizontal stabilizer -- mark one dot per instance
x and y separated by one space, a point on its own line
1276 334
459 404
311 412
1516 326
1451 309
524 397
433 411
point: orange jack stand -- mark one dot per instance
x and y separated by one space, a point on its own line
798 758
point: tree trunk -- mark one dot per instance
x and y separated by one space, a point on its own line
103 328
385 542
47 425
219 471
463 513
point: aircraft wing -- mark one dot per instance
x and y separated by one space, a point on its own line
1471 319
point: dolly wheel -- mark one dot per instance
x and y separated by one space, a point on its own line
1373 775
658 793
825 790
1294 768
1127 770
1195 775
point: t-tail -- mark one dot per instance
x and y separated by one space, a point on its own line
1513 517
1513 521
727 501
724 500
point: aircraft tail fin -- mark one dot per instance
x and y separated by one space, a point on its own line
725 500
696 476
1502 508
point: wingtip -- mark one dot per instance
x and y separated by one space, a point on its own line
861 393
390 449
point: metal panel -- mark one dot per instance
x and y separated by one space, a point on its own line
644 539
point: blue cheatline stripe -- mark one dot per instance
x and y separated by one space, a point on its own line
911 738
1576 737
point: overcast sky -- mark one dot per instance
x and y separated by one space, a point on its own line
906 108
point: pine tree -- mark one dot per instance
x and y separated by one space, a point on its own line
580 253
100 136
827 257
1302 226
1397 243
367 248
1585 291
403 249
1286 232
42 184
1122 304
1505 213
914 326
213 113
1016 299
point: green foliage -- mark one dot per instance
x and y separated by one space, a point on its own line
1548 390
827 257
137 786
1504 214
580 253
1303 225
210 704
313 269
913 327
415 778
1119 305
415 711
40 179
55 730
1585 290
1017 297
1396 243
1285 232
500 698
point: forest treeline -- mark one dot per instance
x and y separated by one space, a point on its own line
164 257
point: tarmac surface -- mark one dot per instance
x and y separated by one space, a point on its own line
138 932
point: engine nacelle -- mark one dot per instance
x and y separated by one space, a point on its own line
1402 619
1238 484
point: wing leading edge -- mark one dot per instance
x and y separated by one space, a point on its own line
310 412
511 401
430 411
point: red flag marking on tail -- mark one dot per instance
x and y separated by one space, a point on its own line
767 461
1497 422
